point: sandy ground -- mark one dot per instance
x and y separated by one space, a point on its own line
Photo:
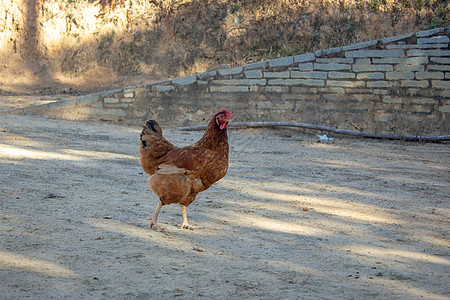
293 218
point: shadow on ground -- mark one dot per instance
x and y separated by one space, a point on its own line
292 219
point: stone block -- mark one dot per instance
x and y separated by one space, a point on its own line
83 100
127 91
109 93
402 60
380 84
341 75
338 90
289 82
434 39
373 68
440 84
363 61
253 74
281 62
163 88
399 75
375 53
127 100
384 117
228 89
305 67
110 100
207 74
360 45
239 82
445 109
285 74
415 52
411 68
257 65
361 90
371 75
440 60
439 67
116 105
380 92
423 101
421 109
414 83
429 75
392 100
426 33
445 93
331 67
186 80
230 71
128 95
417 46
314 75
396 38
343 83
161 82
304 57
328 51
335 60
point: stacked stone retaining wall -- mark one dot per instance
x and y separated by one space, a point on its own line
397 85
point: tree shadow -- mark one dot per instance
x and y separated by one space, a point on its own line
75 196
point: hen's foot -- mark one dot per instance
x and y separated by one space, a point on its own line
190 227
153 223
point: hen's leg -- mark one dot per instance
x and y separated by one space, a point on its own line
185 224
155 216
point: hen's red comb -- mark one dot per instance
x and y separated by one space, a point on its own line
226 112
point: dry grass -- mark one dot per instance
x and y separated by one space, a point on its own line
165 38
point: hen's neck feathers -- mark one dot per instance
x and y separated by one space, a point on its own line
214 138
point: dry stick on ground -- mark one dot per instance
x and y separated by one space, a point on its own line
386 136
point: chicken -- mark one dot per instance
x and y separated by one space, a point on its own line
177 175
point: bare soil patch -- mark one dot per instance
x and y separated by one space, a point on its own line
292 219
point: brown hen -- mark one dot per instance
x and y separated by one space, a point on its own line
177 175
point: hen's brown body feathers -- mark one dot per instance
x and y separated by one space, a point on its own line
177 175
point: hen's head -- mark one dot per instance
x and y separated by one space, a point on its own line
223 118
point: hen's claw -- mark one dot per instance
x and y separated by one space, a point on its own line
190 227
153 223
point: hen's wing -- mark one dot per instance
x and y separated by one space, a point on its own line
184 172
153 146
195 162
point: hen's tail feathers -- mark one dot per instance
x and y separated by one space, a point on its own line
153 146
151 125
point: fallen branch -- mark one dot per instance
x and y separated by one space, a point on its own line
387 136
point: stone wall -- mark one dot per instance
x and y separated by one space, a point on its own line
397 85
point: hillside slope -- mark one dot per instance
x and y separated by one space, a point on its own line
82 46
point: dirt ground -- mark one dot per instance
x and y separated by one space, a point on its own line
293 218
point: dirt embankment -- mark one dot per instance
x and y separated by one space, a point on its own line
84 46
